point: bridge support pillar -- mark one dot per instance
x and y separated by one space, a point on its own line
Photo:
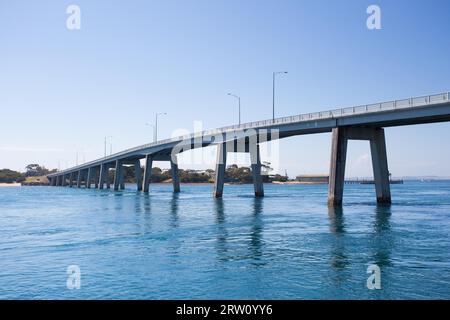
147 173
79 179
256 170
337 166
221 163
63 180
118 176
380 166
71 180
138 174
175 175
102 175
96 177
340 137
90 173
107 179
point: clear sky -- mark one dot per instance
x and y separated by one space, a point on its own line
62 91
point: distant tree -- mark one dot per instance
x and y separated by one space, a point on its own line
278 178
10 176
266 168
35 170
238 175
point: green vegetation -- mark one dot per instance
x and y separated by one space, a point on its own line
10 176
233 174
159 175
35 170
34 173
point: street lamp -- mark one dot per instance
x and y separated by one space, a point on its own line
156 123
110 145
239 100
153 127
273 91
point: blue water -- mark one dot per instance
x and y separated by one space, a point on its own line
288 245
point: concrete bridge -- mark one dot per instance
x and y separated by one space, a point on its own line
365 122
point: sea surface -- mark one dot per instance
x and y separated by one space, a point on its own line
288 245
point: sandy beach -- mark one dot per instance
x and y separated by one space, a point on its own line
10 185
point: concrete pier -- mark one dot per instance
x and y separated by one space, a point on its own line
79 179
175 176
118 176
71 180
96 176
90 173
340 137
138 174
102 176
380 166
256 170
221 163
147 173
337 166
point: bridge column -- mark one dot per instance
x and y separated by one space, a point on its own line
175 175
107 179
96 176
79 179
337 166
118 176
376 136
64 180
138 174
256 170
380 166
221 162
89 177
71 180
102 175
147 173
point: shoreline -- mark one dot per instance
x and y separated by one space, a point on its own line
6 185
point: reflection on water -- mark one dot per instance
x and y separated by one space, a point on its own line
336 218
254 234
222 234
174 203
256 231
383 238
339 259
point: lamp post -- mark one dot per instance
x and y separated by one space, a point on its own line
153 127
239 101
156 123
273 91
110 146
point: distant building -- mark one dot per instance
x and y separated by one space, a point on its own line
319 179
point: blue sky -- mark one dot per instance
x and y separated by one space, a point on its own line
62 91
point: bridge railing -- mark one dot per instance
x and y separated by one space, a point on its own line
336 113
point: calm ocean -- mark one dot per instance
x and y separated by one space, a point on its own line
288 245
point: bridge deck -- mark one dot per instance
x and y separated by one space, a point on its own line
425 109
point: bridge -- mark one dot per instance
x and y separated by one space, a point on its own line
364 122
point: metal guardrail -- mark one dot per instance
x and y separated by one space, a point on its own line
332 114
